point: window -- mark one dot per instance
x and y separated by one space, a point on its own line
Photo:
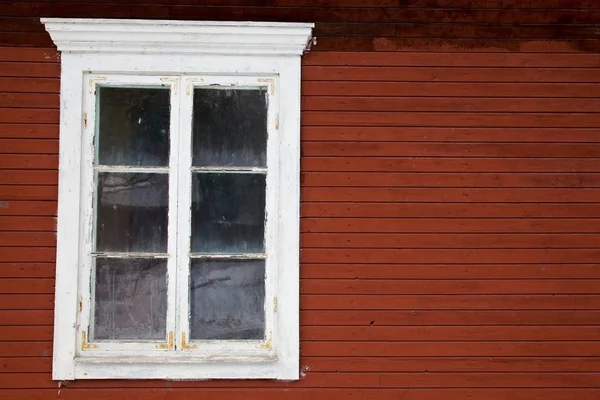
178 213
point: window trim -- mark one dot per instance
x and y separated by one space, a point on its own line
164 49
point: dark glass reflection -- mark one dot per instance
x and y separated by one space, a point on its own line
133 126
229 127
130 299
228 213
132 212
227 299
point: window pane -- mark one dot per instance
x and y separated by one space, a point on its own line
132 212
133 126
131 299
229 127
228 213
227 299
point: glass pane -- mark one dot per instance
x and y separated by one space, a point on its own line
228 213
132 212
133 126
227 299
131 299
229 127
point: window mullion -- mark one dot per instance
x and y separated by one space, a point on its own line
184 212
173 212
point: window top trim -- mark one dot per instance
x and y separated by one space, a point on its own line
179 37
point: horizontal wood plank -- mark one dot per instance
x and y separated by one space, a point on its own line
448 74
27 208
29 69
30 85
443 150
415 104
451 59
418 287
440 364
434 240
454 195
20 192
402 270
14 223
25 302
29 100
28 116
449 89
29 177
27 239
540 136
29 161
27 270
431 160
454 302
373 226
22 54
423 179
458 119
426 256
340 209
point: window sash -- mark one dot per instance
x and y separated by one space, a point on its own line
184 218
179 219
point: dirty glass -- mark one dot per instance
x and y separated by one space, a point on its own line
132 211
227 299
133 126
228 213
130 299
229 127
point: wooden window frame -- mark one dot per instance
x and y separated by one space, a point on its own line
180 55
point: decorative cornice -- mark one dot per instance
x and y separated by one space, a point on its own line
178 37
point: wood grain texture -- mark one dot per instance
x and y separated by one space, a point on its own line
450 199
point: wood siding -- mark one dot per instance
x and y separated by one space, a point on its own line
450 200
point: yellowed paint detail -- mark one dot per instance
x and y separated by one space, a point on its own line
269 343
174 81
275 304
271 83
170 345
185 345
190 84
80 304
276 121
92 82
84 343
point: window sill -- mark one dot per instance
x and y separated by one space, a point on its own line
184 367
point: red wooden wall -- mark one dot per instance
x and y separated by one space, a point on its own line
450 200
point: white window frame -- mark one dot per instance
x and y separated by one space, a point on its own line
180 55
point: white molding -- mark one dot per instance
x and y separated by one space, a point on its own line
178 37
176 51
